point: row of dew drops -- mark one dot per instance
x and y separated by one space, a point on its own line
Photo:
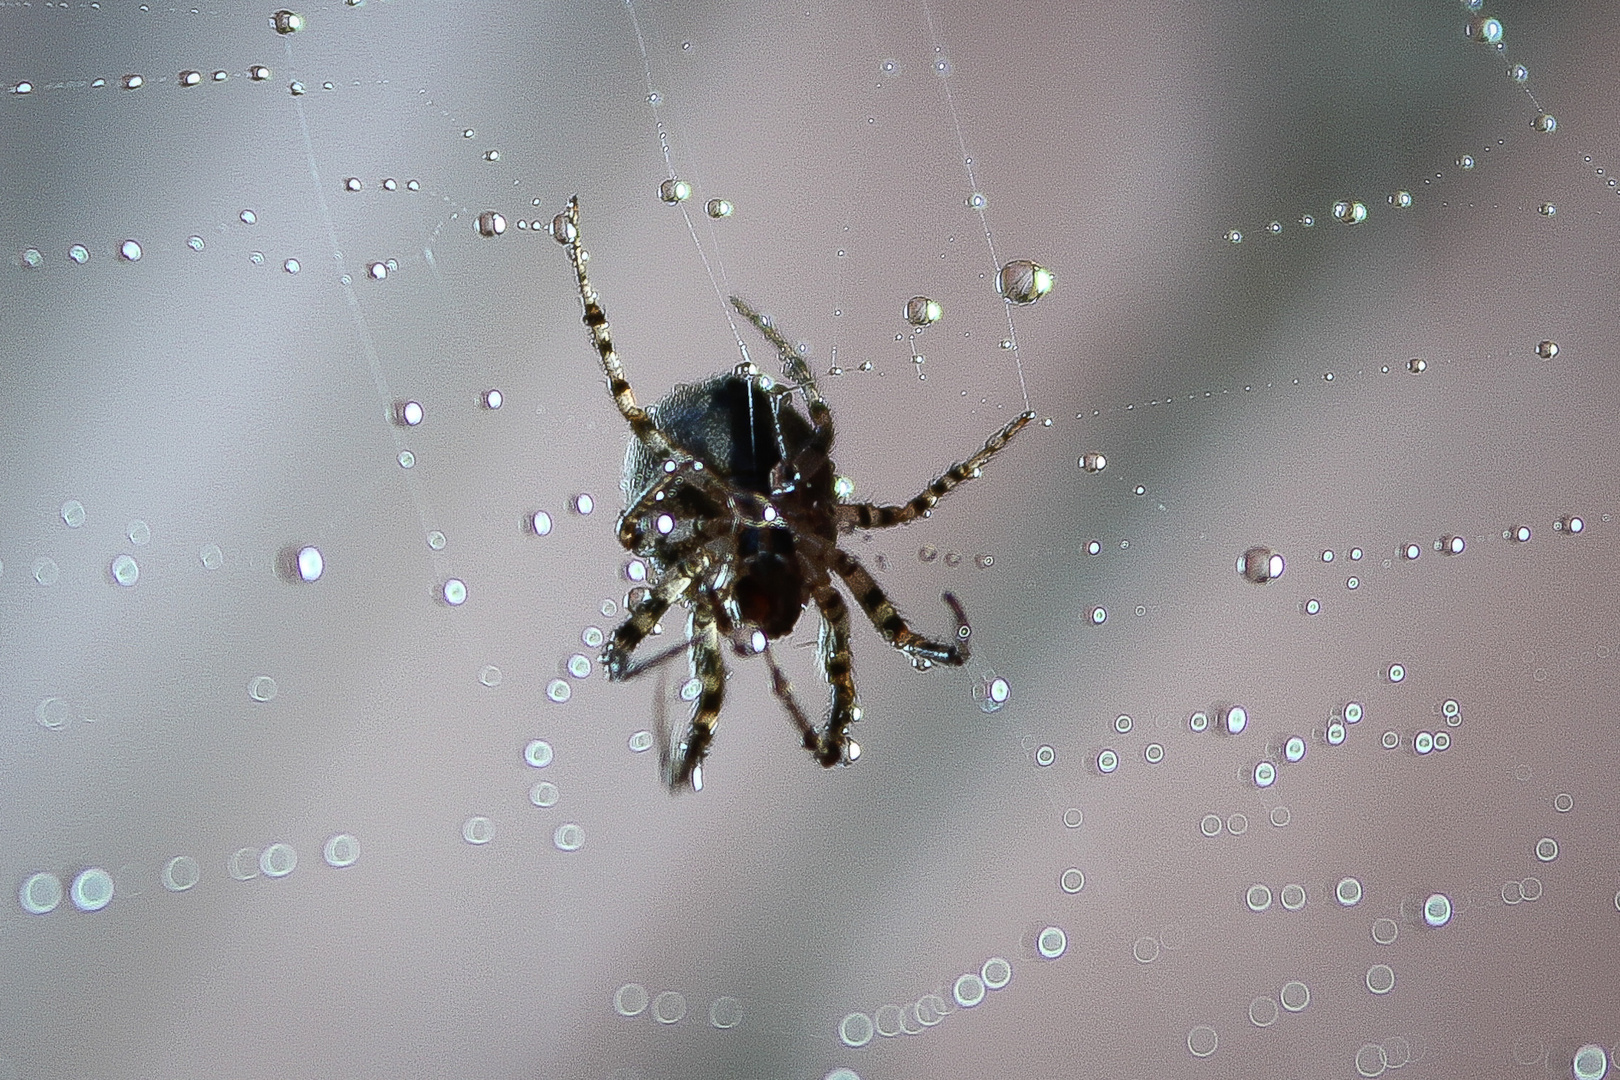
1485 30
93 887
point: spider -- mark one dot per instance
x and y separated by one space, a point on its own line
733 502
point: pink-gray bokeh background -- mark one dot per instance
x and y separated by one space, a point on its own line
231 403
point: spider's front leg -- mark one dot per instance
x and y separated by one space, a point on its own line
872 516
793 363
566 231
892 625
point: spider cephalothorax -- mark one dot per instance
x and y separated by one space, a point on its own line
732 499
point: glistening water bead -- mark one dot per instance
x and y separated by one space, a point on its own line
491 224
1261 564
1023 282
1349 211
921 311
674 191
1547 350
287 22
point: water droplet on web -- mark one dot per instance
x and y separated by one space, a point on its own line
287 22
190 78
1545 123
1547 209
79 254
195 243
129 251
455 592
718 208
1234 236
1466 161
132 82
1486 30
491 223
558 690
674 191
1417 365
352 184
1349 211
921 311
1519 73
1023 282
1260 565
1401 200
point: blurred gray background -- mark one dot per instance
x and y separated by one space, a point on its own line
204 412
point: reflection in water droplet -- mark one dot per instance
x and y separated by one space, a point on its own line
79 254
1024 282
130 251
341 850
1349 211
674 191
718 208
921 311
124 570
1261 564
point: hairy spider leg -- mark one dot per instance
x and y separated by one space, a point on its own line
892 625
872 516
644 616
783 689
601 335
687 470
682 764
833 649
797 369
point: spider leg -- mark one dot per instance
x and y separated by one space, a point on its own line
792 362
835 744
601 335
687 471
682 764
872 516
643 617
783 689
892 625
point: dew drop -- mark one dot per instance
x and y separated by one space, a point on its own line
190 78
132 82
1547 350
1486 30
1234 236
129 251
1260 565
79 254
287 22
1545 123
1093 462
1401 200
674 191
1349 211
921 311
258 73
1023 282
718 208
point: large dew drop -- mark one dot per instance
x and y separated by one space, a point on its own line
1023 282
1260 565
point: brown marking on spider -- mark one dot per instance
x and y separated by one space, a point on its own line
732 501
